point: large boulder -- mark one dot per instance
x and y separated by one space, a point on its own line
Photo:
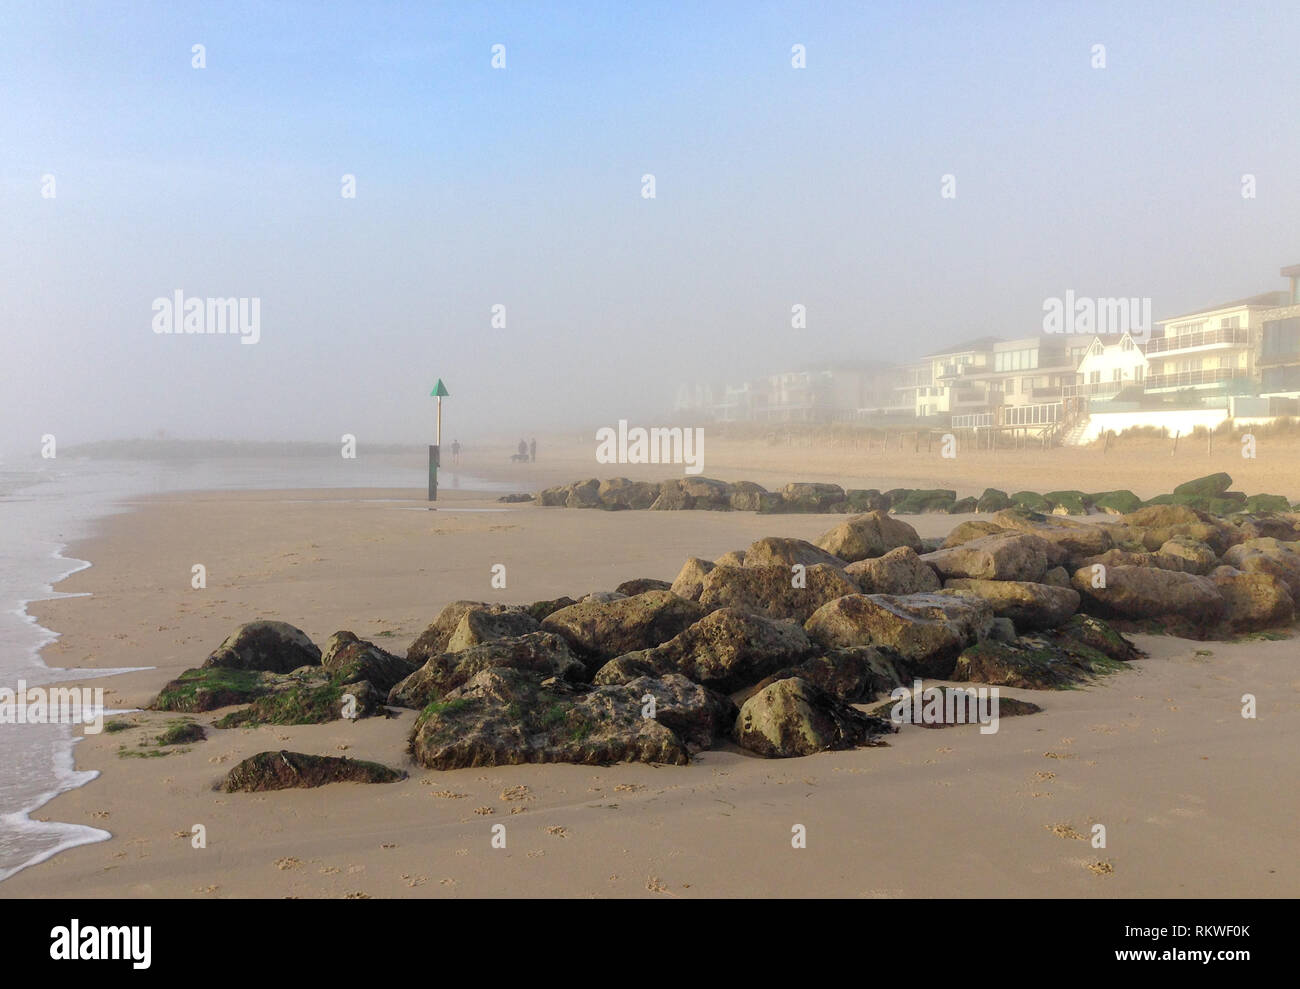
584 494
1029 605
707 494
1075 539
852 674
1186 554
689 581
866 536
603 630
349 659
926 630
672 498
479 625
1157 524
1255 600
1151 593
782 551
507 717
1001 556
900 571
271 647
433 640
802 496
1267 555
791 717
746 496
725 650
775 591
543 653
971 530
621 493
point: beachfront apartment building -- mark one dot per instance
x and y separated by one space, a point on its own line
1279 351
1212 352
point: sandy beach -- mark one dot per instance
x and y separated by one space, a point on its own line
1195 798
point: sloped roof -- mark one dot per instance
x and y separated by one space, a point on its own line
979 343
1263 299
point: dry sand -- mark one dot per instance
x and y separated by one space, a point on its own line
1196 800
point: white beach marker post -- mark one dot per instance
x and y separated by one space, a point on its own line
439 393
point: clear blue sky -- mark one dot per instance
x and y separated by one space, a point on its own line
521 186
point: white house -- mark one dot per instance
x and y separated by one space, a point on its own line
1107 369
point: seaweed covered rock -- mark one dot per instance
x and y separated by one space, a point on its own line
922 501
866 536
791 717
1081 649
603 630
746 496
307 699
209 688
433 640
774 592
508 717
1210 486
926 630
270 647
992 500
1029 605
349 659
1067 502
543 653
900 571
287 770
726 650
1119 502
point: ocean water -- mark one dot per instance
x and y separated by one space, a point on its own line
44 506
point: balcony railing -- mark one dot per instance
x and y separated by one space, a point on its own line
1235 336
1096 388
1189 379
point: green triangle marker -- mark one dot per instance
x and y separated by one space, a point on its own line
440 390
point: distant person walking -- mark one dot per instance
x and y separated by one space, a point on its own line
522 455
455 452
532 449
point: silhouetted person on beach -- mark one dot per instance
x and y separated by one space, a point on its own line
455 452
532 449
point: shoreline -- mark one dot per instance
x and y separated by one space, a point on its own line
933 814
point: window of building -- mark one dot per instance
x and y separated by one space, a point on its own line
1137 373
1094 377
1117 374
1127 344
1281 339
